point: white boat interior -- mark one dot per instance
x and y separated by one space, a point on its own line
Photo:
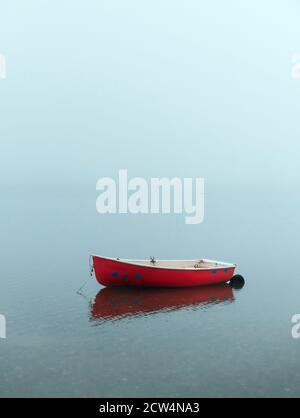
176 264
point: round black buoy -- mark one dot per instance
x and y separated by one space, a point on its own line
237 281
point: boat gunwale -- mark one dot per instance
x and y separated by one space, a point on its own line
219 265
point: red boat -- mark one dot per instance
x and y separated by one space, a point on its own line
160 273
114 303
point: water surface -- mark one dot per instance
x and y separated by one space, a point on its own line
103 342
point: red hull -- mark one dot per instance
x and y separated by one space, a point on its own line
113 272
113 303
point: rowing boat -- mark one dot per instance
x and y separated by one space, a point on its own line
160 273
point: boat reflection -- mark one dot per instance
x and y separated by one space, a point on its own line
115 303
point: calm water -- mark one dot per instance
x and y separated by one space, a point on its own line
209 342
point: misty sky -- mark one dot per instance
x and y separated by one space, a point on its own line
161 88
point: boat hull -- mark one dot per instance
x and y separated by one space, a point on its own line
113 272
